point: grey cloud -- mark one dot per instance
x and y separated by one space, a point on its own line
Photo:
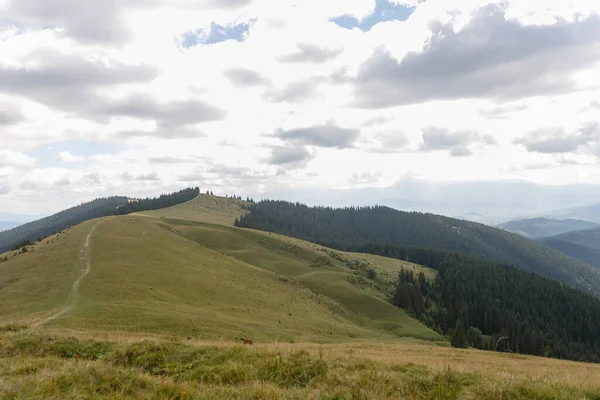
229 4
68 82
289 156
151 176
326 135
170 160
4 189
295 92
10 115
87 21
390 142
456 141
310 53
491 57
557 140
243 77
461 152
501 112
222 169
168 115
377 121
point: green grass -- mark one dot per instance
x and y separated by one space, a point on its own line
34 366
204 208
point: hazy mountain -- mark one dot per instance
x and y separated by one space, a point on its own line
588 212
488 202
5 225
543 227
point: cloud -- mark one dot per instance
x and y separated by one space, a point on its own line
151 176
10 114
289 156
14 159
87 21
4 189
242 77
295 92
500 112
173 118
325 135
66 81
68 157
457 142
491 57
390 142
311 53
557 140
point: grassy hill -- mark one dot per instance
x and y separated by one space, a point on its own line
350 228
151 305
150 274
542 227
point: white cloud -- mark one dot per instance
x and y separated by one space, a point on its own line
211 113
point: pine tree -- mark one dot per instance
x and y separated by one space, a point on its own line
459 338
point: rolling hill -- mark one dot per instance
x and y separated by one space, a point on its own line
149 305
351 228
534 228
583 245
159 275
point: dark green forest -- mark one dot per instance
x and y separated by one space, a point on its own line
352 227
586 254
58 222
504 308
477 302
163 201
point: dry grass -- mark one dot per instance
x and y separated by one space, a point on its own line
55 366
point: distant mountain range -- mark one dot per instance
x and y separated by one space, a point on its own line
543 227
487 202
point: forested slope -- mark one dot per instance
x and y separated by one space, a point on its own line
58 222
351 228
521 311
163 201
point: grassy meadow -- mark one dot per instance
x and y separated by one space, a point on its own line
171 291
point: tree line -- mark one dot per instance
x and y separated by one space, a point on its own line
475 301
155 203
350 227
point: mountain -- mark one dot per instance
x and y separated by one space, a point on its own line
353 228
543 227
5 225
489 202
583 245
186 271
97 208
588 212
153 304
588 238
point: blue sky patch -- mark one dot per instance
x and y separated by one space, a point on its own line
384 11
216 33
46 156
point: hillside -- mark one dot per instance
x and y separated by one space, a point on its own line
588 238
59 221
583 245
152 304
350 228
153 275
541 227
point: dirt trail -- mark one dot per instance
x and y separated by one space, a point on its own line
85 263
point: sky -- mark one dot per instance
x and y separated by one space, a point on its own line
138 98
